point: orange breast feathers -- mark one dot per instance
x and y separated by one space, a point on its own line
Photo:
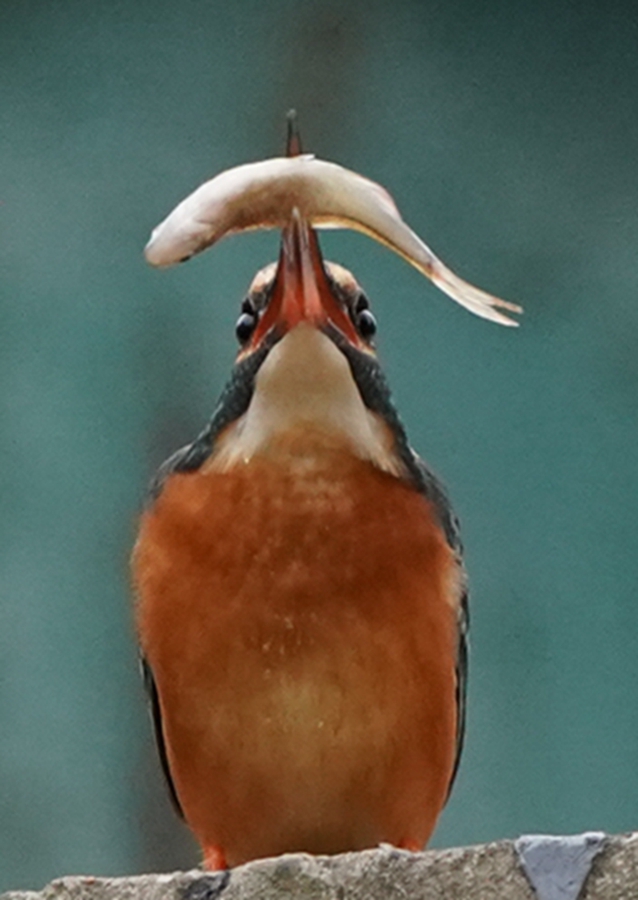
299 614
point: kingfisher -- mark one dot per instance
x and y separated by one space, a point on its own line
300 595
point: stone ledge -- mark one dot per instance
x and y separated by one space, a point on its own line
486 872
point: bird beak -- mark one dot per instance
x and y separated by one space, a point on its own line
302 291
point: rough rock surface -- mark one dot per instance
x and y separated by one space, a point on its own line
485 872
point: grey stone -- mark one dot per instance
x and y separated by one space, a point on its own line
558 865
486 872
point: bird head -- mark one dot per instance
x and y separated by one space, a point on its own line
305 329
302 288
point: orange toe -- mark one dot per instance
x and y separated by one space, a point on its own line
411 845
214 858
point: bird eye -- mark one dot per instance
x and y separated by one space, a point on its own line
245 326
366 324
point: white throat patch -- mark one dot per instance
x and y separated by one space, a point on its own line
306 381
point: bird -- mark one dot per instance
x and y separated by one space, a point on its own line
301 602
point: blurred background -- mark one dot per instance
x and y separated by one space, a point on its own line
508 134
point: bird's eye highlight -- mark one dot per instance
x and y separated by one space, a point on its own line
245 326
366 324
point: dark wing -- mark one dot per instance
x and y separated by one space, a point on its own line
375 393
461 684
428 484
156 715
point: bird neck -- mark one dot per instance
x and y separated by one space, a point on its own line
305 390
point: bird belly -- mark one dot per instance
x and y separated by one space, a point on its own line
299 615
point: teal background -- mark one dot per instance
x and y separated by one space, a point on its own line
508 134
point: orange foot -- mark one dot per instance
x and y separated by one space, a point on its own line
411 845
214 858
